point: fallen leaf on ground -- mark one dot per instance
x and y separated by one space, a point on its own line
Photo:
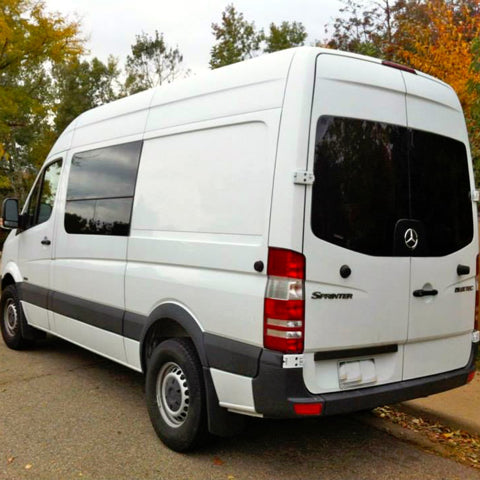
462 446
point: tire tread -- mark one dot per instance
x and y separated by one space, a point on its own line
194 431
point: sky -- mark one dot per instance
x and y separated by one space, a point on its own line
111 25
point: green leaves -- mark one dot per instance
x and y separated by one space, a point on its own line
32 42
237 39
151 63
287 35
82 85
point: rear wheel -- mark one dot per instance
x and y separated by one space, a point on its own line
12 319
176 395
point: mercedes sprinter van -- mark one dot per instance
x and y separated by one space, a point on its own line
290 236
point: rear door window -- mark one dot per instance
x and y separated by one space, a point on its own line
371 178
440 192
361 183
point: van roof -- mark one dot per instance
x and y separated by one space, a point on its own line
131 113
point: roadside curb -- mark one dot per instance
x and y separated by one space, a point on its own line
404 434
451 421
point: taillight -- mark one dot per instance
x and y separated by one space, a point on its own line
284 313
475 323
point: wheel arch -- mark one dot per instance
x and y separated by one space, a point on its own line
170 320
7 280
11 275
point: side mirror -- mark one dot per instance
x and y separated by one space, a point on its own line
10 216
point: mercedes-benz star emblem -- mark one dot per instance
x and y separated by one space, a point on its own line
411 239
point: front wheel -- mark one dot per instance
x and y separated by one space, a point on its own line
12 318
176 395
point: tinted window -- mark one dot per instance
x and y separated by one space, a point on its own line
49 190
441 192
41 201
31 210
361 184
110 216
100 190
374 180
104 172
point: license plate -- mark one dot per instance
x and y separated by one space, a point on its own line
357 372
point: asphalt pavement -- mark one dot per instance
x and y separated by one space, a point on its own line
69 414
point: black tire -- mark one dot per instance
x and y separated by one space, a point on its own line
176 394
12 320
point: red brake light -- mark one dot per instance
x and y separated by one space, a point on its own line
470 376
284 309
284 312
285 263
398 66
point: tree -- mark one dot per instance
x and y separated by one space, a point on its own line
446 46
31 42
236 39
287 35
81 85
151 63
366 28
443 48
438 37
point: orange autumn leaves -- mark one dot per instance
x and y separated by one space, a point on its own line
443 40
444 47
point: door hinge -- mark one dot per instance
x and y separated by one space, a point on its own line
475 195
302 177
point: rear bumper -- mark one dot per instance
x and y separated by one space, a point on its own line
276 389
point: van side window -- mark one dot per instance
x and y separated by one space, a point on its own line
31 209
100 190
41 201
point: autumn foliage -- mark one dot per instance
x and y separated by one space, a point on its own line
443 47
32 41
437 37
45 82
443 41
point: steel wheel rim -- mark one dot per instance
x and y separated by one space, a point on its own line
10 317
173 396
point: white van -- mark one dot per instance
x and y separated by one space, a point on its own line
290 236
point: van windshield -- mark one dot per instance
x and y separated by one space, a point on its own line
371 178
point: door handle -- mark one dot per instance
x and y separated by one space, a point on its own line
425 293
46 241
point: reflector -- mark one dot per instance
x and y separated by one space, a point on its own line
308 408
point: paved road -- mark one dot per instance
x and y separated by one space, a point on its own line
68 414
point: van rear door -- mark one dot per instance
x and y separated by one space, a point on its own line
357 153
442 295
